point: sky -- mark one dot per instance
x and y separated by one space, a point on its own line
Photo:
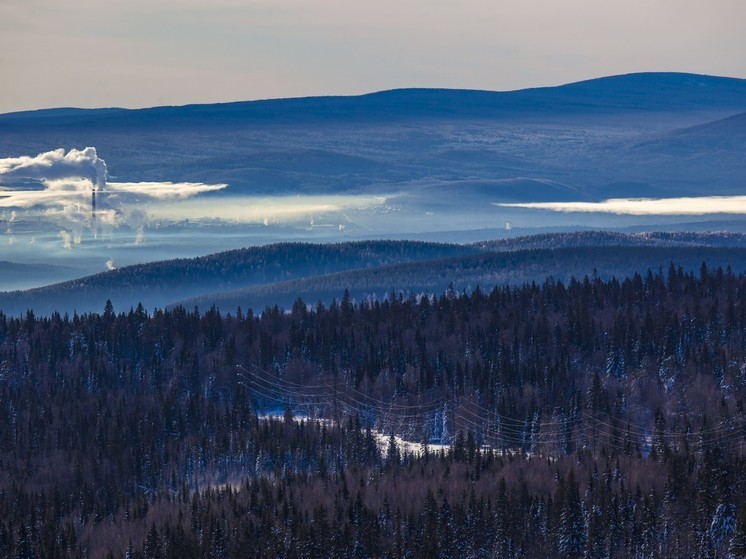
138 53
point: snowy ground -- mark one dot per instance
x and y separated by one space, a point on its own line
382 439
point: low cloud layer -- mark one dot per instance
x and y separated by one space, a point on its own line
269 209
705 205
163 190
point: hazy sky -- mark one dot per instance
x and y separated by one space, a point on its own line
137 53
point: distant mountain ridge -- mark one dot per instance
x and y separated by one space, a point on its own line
407 163
577 141
640 91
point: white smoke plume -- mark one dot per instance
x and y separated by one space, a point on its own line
62 196
67 178
56 165
136 219
10 222
66 239
110 265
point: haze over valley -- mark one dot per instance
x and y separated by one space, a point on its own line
639 152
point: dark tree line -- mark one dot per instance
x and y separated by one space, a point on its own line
588 419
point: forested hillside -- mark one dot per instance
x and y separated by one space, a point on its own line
509 267
589 418
157 284
277 274
576 239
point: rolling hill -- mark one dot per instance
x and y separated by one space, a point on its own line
664 92
279 274
159 283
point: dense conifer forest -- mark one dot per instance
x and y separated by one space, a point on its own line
590 418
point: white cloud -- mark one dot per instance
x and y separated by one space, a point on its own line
264 209
646 206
